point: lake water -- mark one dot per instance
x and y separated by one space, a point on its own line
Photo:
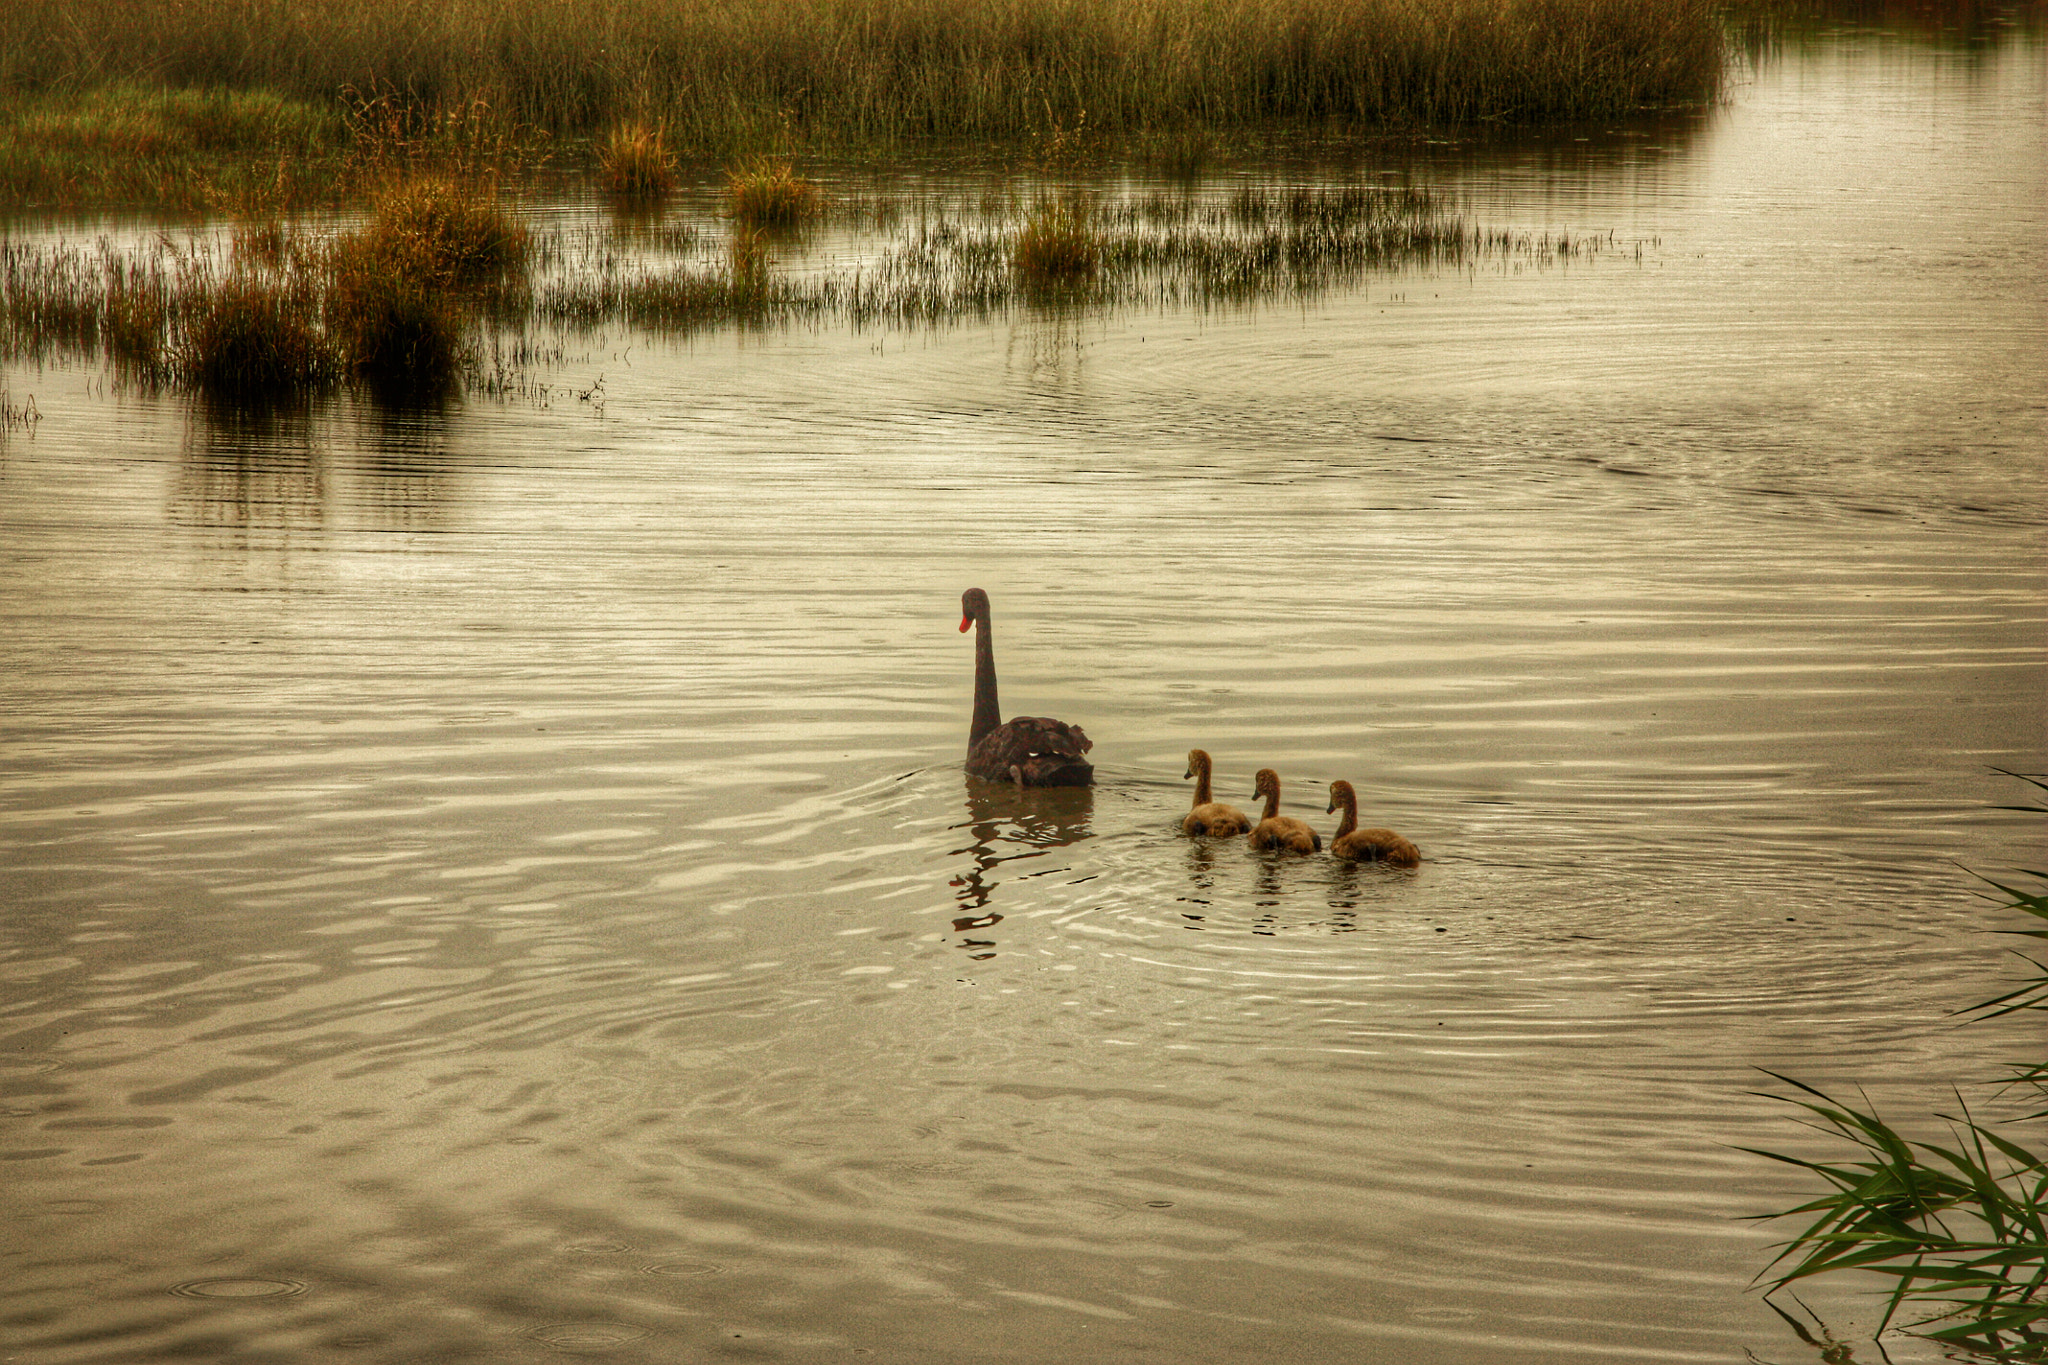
497 884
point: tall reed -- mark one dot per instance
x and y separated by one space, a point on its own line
863 71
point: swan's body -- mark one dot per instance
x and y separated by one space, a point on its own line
1032 751
1209 816
1366 845
1279 831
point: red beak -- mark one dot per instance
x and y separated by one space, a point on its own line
965 622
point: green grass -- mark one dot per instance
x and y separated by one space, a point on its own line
775 74
1957 1225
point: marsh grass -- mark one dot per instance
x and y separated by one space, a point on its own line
395 333
458 235
961 260
1057 245
869 74
393 304
398 135
1958 1226
634 161
402 291
767 192
254 337
404 303
127 141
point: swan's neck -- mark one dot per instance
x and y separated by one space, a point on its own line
1202 796
1349 820
987 714
1272 803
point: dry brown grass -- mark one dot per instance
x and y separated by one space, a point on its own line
727 78
634 160
767 192
1057 244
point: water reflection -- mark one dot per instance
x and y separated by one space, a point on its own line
267 476
1010 823
404 458
1975 25
1278 890
251 471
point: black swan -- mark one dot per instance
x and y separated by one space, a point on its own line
1208 816
1032 751
1276 830
1367 845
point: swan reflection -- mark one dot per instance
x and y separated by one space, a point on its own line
1008 824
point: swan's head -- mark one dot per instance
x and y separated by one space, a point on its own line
1198 762
973 607
1266 783
1341 795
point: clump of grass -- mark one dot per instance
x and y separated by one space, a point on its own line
1058 244
1959 1228
394 331
768 193
391 305
456 235
394 301
142 306
634 160
254 337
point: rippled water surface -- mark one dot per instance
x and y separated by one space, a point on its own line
498 884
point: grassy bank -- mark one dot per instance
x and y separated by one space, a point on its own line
208 150
863 73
